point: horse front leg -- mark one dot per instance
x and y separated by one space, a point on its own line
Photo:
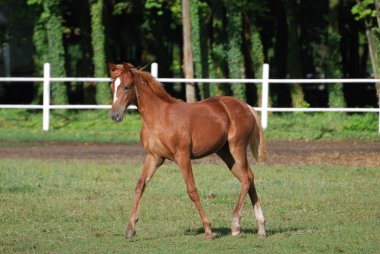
187 171
151 164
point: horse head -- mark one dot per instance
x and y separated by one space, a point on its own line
122 89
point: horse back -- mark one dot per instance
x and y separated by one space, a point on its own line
215 121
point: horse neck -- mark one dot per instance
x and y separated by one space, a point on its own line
149 103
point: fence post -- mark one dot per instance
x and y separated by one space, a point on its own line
265 97
46 98
154 70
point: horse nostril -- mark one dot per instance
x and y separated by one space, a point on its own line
117 117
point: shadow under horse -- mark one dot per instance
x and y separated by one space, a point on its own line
180 131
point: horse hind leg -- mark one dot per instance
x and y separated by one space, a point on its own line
240 174
236 161
260 220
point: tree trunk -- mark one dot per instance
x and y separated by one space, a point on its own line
334 58
373 38
187 50
99 59
199 47
234 55
294 56
56 53
374 51
258 61
40 41
377 6
250 68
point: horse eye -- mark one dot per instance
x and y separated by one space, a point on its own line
126 88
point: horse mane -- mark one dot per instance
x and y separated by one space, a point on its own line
145 78
156 87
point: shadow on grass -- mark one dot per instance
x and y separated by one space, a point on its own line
224 231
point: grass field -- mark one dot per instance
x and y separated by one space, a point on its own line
88 125
83 207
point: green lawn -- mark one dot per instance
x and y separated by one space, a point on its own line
89 125
83 207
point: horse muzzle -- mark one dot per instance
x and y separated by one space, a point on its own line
117 114
116 117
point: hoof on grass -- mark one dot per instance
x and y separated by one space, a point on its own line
130 233
210 236
261 234
235 231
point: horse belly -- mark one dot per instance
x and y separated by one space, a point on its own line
207 140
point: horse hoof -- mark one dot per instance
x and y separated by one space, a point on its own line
130 233
261 234
210 236
235 231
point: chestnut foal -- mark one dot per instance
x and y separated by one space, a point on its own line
180 131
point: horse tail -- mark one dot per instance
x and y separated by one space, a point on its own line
256 139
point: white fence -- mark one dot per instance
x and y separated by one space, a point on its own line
265 81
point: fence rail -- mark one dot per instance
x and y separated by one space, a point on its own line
265 81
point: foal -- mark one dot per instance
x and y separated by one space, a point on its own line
180 131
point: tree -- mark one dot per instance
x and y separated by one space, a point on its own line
334 59
258 60
99 58
234 55
293 53
253 49
187 50
56 54
199 45
48 43
369 11
217 46
47 39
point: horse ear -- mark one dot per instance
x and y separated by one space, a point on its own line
111 67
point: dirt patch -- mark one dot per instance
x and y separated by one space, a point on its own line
344 153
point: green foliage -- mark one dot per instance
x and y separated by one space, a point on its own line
334 62
154 4
151 32
234 55
40 41
48 32
366 122
56 53
122 7
199 44
35 2
99 59
258 59
326 126
293 54
160 5
82 207
364 9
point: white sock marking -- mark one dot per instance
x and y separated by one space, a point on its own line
259 214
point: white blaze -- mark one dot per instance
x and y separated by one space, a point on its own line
117 84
